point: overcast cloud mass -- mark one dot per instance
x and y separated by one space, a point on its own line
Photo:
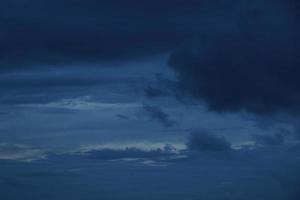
136 99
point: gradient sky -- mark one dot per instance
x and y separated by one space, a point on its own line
115 99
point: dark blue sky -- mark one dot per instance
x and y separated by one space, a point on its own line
109 95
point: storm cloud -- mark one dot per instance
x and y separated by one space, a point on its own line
235 55
101 97
252 66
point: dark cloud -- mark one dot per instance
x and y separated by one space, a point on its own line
245 38
51 32
251 64
206 141
49 80
157 114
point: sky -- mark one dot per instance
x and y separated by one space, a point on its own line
137 99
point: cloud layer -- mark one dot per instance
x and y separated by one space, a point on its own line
252 65
59 32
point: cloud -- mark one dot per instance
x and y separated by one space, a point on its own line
269 140
157 114
80 177
161 87
121 116
63 31
207 142
152 157
130 152
251 64
43 86
20 152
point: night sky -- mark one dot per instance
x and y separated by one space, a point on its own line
149 100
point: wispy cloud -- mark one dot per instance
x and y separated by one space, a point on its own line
20 152
157 114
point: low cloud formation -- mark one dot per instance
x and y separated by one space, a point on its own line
251 64
130 153
206 141
257 175
157 114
